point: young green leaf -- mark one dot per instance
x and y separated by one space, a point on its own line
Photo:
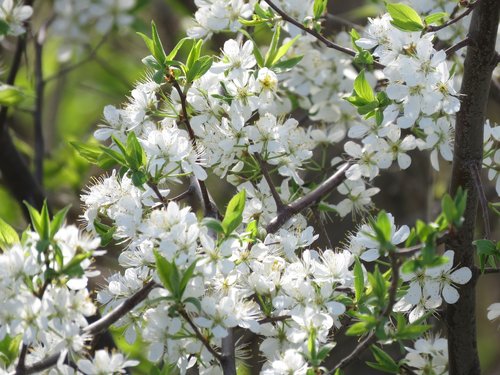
234 213
273 48
405 17
8 235
319 7
359 280
363 88
283 50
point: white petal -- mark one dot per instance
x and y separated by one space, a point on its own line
461 276
450 294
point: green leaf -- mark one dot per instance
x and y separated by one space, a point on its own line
319 8
114 155
106 232
194 301
139 178
194 54
363 88
405 17
384 361
359 280
158 50
449 209
234 213
134 152
256 51
284 49
358 329
58 220
199 68
435 18
4 27
8 235
165 271
176 49
10 95
287 64
213 224
186 276
89 152
273 48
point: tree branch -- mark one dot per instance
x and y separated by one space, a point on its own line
274 192
309 199
469 9
328 43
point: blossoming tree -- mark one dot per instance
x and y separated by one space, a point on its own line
201 281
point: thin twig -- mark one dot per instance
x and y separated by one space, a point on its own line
344 22
456 47
68 69
476 177
157 192
209 208
307 200
267 176
469 9
408 251
328 43
372 338
322 227
200 336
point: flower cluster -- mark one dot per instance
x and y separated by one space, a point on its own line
13 15
43 291
75 18
429 356
428 288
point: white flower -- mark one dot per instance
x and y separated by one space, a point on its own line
13 13
429 356
105 364
494 311
445 277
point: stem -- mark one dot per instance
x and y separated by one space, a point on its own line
267 176
200 336
478 66
309 199
456 47
210 210
469 9
318 36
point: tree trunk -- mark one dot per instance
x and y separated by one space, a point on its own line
480 60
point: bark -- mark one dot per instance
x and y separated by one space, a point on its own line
480 60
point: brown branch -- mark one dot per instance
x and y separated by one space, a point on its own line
469 9
328 43
210 209
307 200
200 336
478 67
22 358
456 47
269 180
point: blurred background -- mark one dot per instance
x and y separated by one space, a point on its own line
101 68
